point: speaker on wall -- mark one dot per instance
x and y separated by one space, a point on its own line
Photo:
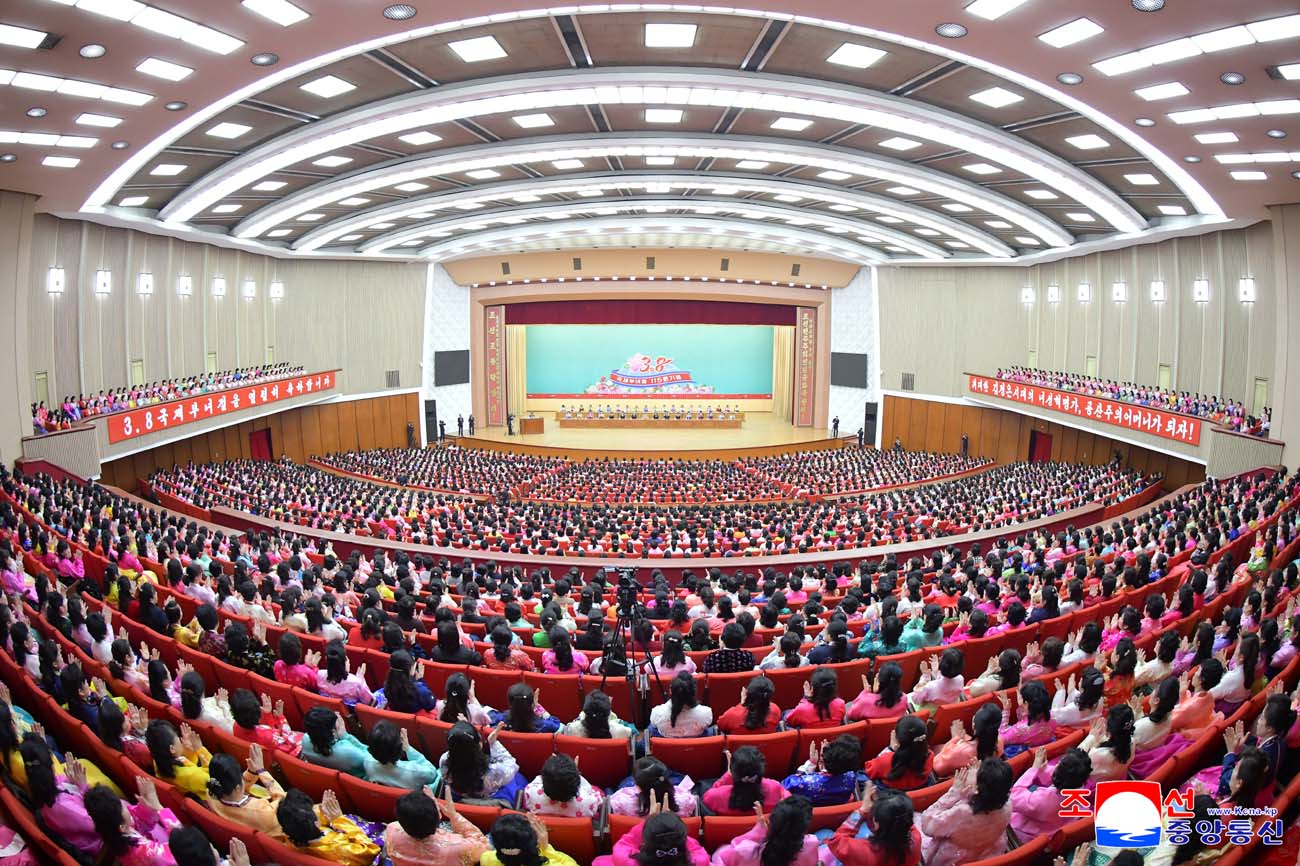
431 420
848 369
869 422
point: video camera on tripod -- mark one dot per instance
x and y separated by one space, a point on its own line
628 591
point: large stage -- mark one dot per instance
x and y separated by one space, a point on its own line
761 433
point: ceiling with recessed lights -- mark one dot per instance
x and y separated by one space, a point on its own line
870 132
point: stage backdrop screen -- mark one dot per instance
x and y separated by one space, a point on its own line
659 361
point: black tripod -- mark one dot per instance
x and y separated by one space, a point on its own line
636 673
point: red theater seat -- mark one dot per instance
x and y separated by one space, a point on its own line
779 749
698 757
530 750
604 763
220 830
314 780
370 800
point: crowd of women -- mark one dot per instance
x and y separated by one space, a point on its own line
1220 410
82 406
1127 710
1001 497
802 473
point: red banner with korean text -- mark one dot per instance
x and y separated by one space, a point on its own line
805 366
494 347
1139 419
176 413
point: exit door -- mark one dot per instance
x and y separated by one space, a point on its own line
1040 447
259 444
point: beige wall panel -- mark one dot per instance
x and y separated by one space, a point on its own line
939 322
364 318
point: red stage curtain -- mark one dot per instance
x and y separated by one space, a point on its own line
648 312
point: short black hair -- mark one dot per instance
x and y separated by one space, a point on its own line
189 846
843 754
245 708
561 780
418 815
386 742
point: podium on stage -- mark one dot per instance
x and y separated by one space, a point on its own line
530 425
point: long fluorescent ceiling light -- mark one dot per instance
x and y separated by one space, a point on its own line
73 87
508 195
163 23
898 115
690 147
660 223
1268 30
568 210
1190 186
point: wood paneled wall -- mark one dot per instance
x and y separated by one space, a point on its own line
929 425
376 422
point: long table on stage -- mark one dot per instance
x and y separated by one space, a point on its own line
731 422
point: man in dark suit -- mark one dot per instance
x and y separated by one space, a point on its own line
471 425
510 425
862 437
835 427
460 425
442 430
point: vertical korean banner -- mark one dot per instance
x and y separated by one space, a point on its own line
494 343
805 366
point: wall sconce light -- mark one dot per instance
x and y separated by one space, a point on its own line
1085 293
103 282
249 291
1119 292
218 287
184 285
144 284
1201 291
1027 295
1053 294
1159 293
55 279
1246 291
276 290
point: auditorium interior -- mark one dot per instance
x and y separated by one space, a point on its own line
805 433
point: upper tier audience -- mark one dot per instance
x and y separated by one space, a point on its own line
1220 410
74 409
1003 496
805 473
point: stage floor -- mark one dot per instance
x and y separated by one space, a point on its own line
760 430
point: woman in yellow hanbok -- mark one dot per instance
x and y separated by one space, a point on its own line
325 833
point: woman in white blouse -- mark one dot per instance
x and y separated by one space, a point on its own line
1075 707
682 715
1110 744
1235 687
